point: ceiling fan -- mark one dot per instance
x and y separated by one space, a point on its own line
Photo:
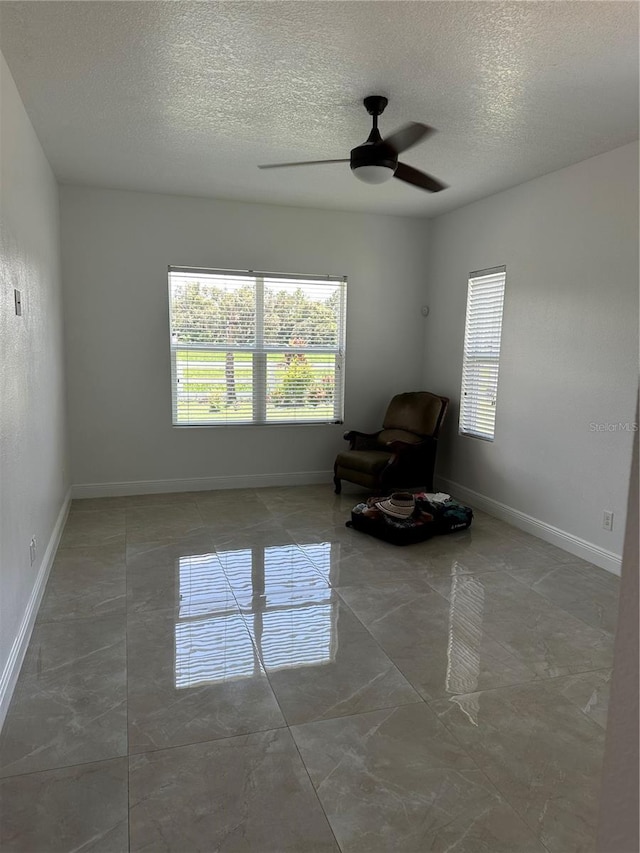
376 160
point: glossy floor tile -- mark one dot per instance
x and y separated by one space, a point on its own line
193 585
542 753
162 522
440 646
345 565
248 793
591 598
588 691
71 808
95 527
239 671
69 706
320 660
194 679
398 780
543 635
237 513
85 582
173 552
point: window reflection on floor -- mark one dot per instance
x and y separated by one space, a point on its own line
214 649
262 570
320 554
297 636
202 586
466 610
285 602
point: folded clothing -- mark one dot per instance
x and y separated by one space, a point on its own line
436 497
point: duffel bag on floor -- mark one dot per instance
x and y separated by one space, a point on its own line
405 519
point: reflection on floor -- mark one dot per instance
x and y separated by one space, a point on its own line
238 671
285 632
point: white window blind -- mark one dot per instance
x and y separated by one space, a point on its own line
483 328
256 348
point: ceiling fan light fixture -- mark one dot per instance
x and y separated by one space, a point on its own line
372 174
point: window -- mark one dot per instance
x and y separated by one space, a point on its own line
256 348
483 327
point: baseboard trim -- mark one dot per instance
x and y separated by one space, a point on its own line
199 484
607 560
19 648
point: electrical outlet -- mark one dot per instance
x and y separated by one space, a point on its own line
607 520
33 550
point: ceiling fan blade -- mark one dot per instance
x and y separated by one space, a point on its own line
300 163
419 179
407 136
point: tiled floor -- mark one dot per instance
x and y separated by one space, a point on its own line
237 671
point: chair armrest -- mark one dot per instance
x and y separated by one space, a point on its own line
361 440
402 447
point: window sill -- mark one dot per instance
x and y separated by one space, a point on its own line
255 424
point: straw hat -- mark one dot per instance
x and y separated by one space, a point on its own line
399 505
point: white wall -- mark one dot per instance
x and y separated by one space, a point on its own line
618 826
33 478
569 348
116 247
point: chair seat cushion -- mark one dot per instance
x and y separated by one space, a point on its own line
368 461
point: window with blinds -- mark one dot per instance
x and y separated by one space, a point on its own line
481 359
256 348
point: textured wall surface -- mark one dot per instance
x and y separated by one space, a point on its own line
116 247
33 478
569 344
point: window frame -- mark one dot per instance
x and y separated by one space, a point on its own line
259 351
474 356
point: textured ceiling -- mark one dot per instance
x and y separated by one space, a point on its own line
188 98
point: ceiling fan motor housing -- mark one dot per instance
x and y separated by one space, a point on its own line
373 154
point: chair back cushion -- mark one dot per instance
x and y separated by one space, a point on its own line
416 411
369 461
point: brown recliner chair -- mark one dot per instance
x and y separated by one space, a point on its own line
402 454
